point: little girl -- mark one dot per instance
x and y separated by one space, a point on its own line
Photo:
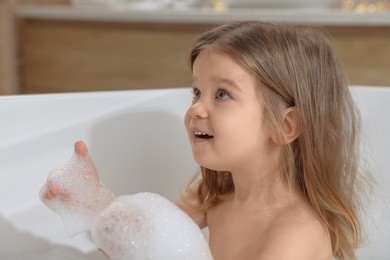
275 131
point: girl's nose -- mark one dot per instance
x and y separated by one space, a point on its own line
198 111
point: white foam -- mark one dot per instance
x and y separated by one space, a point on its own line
81 194
141 226
148 226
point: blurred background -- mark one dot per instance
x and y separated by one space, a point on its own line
51 46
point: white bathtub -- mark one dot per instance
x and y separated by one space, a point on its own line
138 142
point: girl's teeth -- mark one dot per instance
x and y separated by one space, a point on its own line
202 134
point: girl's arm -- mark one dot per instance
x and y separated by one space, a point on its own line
189 202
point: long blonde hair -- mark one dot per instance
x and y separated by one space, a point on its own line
298 67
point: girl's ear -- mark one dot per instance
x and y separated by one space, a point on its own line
290 127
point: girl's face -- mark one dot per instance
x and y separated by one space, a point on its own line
225 122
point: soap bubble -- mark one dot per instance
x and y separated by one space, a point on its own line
141 226
148 226
80 194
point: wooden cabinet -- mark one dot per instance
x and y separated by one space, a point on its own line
66 55
365 53
59 56
8 67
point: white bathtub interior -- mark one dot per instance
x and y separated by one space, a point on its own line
139 143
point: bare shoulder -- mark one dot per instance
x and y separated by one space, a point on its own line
189 202
296 234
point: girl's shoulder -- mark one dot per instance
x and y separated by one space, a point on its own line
296 233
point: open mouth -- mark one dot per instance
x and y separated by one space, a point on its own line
202 135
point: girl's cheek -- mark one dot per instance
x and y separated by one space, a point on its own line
187 120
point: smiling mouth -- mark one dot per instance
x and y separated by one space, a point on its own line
202 135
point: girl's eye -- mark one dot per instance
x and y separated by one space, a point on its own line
195 93
222 94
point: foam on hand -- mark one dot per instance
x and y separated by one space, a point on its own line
148 226
80 194
141 226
